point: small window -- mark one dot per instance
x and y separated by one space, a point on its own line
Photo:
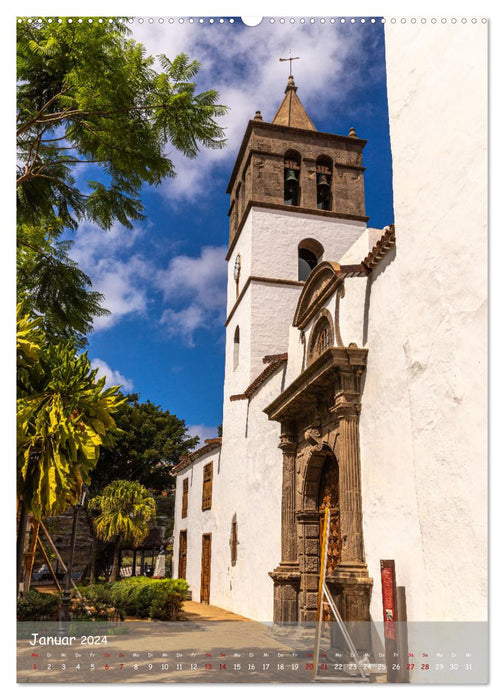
321 339
233 541
306 262
185 497
206 502
310 253
236 347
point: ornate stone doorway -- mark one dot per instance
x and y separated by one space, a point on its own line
319 416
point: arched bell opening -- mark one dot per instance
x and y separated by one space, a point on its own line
292 171
324 169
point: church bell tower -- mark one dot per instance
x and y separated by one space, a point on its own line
296 198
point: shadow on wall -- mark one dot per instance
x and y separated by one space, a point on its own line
379 269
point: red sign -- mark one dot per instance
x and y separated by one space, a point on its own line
388 595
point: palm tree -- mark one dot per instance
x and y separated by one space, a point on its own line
126 508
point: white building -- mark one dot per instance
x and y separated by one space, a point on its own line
370 373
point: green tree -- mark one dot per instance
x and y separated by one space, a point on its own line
89 96
51 284
64 416
125 510
150 443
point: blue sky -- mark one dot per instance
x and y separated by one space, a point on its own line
164 281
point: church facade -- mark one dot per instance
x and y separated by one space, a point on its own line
355 375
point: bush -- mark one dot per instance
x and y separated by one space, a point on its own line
33 605
96 604
139 596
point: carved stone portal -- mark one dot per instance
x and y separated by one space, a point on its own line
319 409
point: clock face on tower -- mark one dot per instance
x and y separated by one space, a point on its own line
237 267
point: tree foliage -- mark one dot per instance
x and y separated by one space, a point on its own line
94 122
64 416
124 511
125 508
89 95
51 284
150 443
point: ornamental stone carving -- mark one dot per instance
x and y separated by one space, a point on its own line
319 415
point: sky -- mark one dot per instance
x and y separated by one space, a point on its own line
164 281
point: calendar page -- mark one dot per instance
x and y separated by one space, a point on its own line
252 349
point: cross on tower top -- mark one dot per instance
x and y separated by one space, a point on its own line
290 59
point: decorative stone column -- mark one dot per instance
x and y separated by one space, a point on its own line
309 552
351 578
287 576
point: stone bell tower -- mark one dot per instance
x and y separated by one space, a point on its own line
296 198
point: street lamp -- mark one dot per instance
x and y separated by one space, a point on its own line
65 601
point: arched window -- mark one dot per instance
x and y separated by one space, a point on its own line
306 262
236 347
324 179
292 169
310 253
322 337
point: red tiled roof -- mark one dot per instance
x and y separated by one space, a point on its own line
383 245
209 445
386 242
273 362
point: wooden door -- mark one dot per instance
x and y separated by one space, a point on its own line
182 556
206 558
328 497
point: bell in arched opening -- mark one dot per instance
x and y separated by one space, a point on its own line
291 187
323 191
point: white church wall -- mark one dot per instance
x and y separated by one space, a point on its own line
249 488
247 477
277 235
296 355
273 308
236 379
243 248
266 308
391 525
437 75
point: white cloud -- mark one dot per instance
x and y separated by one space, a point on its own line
92 243
193 288
204 432
121 279
113 377
198 286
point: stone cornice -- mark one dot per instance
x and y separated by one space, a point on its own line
319 287
317 379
